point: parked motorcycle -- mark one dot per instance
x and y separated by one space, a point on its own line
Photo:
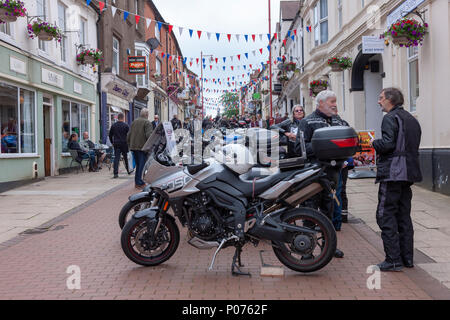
225 202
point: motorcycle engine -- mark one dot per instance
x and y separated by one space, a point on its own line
203 221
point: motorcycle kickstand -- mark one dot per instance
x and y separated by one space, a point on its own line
219 248
234 265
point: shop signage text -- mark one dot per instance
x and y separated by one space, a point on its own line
372 45
402 10
52 78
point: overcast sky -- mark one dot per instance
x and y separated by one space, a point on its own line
225 17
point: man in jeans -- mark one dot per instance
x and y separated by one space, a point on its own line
140 131
397 169
118 137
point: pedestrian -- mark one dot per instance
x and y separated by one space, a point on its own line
253 122
260 120
397 169
118 137
266 124
82 153
290 127
140 131
176 123
88 144
155 122
324 116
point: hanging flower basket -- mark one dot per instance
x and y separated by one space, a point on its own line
317 86
265 91
283 78
44 31
340 63
10 10
406 32
290 66
90 56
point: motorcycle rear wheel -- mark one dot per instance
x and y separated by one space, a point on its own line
138 249
322 248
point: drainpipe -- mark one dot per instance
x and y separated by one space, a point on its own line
99 83
303 62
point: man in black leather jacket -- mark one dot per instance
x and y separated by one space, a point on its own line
397 169
324 116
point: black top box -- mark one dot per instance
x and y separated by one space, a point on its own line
334 143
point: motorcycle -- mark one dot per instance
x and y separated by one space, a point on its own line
223 202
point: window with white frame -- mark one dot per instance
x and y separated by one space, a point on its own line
41 12
142 79
116 56
339 5
413 77
82 34
62 26
75 119
321 22
17 120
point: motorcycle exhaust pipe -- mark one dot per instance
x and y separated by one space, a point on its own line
304 194
202 244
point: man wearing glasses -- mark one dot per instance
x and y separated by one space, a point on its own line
397 169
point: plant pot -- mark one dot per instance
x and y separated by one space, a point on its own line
89 60
6 16
336 68
318 89
400 40
44 36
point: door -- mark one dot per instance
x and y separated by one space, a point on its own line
48 135
373 84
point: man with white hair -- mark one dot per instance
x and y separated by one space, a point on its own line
325 115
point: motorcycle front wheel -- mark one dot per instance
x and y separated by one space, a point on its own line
131 207
139 248
307 253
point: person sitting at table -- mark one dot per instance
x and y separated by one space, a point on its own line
82 153
88 144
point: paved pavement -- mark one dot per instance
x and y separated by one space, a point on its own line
431 219
35 204
34 266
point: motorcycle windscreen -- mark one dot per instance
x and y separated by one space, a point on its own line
157 138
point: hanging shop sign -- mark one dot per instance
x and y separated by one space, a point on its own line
137 65
372 45
402 10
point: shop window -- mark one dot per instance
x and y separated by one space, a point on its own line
17 120
75 119
413 77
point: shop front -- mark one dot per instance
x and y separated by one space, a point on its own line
40 106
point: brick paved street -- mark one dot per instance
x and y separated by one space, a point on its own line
35 267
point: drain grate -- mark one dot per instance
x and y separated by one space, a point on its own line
42 230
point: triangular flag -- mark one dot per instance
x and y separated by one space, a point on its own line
229 37
275 36
289 33
246 37
268 36
180 29
217 36
197 60
113 11
149 21
246 55
125 15
224 59
260 37
253 37
268 47
159 25
199 34
254 52
239 57
217 60
209 35
237 38
88 2
261 50
284 42
101 5
137 18
190 32
293 37
295 32
170 28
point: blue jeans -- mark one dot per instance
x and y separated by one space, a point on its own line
91 156
337 213
140 157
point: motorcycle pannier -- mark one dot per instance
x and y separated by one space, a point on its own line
334 143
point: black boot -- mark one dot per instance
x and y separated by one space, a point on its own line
390 266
